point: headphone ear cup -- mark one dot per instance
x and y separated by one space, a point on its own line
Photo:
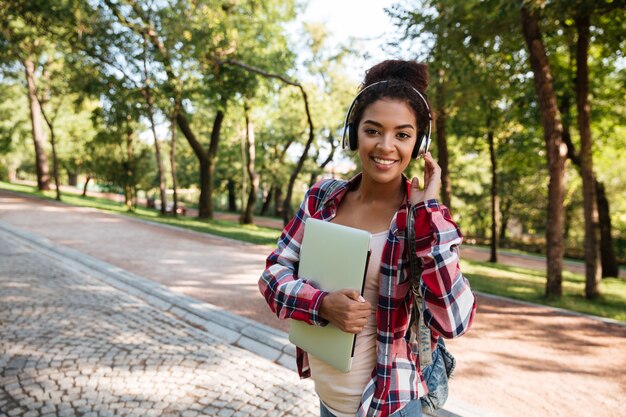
352 137
418 144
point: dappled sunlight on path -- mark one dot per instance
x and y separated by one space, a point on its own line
531 360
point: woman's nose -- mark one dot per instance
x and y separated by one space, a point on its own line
386 141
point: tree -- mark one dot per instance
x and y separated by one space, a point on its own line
39 140
249 157
592 229
147 93
555 147
287 210
25 38
204 43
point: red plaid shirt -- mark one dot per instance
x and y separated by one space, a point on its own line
449 302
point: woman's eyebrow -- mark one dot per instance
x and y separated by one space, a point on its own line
407 126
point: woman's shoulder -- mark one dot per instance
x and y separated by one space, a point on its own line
324 189
328 184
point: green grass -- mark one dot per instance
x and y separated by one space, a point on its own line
529 285
247 233
514 251
507 281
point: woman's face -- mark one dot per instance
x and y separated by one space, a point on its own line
386 136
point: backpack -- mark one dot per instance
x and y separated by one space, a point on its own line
438 366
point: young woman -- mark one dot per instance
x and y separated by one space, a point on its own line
388 124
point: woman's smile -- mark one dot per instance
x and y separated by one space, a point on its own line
384 163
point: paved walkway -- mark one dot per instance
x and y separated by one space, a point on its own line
518 360
469 252
73 345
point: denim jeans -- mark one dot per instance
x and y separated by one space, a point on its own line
412 409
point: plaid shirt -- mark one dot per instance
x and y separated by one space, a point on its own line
449 302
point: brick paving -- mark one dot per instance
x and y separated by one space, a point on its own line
72 345
518 360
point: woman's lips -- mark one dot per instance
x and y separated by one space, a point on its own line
383 163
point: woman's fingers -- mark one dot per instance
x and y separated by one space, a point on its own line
356 327
346 309
431 184
432 177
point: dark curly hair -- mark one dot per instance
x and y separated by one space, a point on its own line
403 76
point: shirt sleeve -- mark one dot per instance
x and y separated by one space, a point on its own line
449 304
287 295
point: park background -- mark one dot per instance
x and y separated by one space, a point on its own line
203 108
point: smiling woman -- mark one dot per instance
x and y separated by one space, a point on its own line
388 124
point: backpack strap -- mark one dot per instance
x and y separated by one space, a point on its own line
418 330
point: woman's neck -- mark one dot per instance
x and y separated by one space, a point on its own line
370 191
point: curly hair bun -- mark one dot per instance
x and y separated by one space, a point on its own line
412 72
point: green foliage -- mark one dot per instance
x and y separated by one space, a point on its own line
476 49
14 118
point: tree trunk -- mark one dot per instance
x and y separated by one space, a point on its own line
592 228
173 163
278 201
157 151
207 161
87 179
244 177
556 149
268 201
442 143
287 210
495 200
157 148
320 170
43 175
609 261
55 160
609 266
203 159
246 217
232 196
505 210
204 189
72 178
128 191
212 154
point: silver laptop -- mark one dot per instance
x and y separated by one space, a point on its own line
332 257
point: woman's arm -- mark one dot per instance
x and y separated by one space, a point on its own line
449 305
286 294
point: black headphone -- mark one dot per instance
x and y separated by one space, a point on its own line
423 138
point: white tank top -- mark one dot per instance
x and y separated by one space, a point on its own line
341 392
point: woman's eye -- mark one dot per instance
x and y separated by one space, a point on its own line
371 131
403 135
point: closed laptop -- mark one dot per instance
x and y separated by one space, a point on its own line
332 257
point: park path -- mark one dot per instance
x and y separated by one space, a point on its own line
518 359
75 344
470 252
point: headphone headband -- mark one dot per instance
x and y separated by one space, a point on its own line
346 123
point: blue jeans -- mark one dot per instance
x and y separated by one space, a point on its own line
412 409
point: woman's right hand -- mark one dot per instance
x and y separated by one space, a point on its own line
432 182
346 309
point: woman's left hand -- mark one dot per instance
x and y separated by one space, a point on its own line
432 182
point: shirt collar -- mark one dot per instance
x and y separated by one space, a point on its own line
399 225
